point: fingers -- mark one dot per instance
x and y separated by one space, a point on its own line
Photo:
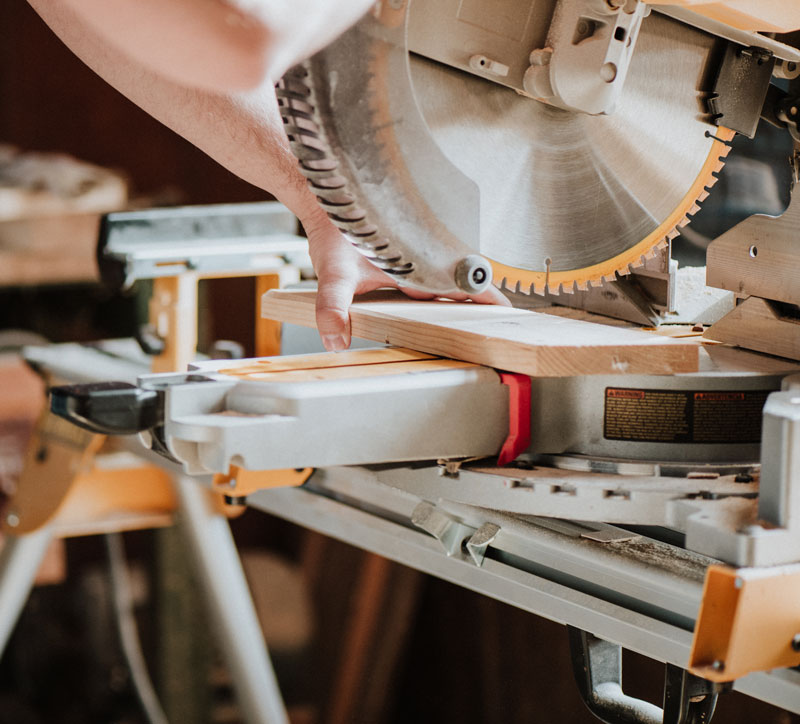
341 272
334 296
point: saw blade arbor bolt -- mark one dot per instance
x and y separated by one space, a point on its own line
473 274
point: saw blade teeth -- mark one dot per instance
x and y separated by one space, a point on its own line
307 136
637 256
660 246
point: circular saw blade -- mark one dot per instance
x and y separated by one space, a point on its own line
567 199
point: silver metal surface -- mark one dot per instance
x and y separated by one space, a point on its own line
779 503
585 61
266 425
230 605
217 239
736 35
568 415
462 33
582 47
620 499
568 190
346 504
20 560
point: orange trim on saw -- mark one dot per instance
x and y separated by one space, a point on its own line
559 281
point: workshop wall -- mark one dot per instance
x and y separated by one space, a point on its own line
50 101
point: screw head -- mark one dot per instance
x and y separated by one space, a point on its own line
473 274
12 519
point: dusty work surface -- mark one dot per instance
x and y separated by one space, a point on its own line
510 339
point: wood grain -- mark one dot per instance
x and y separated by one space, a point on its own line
757 324
759 257
516 340
49 250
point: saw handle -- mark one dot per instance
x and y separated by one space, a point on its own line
597 667
107 408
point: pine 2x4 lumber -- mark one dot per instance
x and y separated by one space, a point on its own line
514 340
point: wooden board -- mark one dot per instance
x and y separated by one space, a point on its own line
50 208
49 250
757 324
759 257
516 340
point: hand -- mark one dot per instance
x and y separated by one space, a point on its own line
343 272
241 130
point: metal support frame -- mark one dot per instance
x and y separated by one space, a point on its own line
542 566
230 604
223 585
597 667
20 559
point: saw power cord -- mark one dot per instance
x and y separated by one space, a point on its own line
122 597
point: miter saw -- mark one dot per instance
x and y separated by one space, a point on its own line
554 148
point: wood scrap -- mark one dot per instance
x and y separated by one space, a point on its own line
510 339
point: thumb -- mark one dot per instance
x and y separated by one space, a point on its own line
334 295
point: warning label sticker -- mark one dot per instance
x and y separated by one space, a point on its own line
640 415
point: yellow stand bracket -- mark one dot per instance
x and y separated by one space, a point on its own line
749 621
68 484
239 483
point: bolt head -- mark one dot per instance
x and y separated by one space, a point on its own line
540 56
473 274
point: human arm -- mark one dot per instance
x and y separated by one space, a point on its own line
242 131
225 45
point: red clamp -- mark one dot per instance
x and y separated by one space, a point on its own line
519 416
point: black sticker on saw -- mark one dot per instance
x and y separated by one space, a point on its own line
638 415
